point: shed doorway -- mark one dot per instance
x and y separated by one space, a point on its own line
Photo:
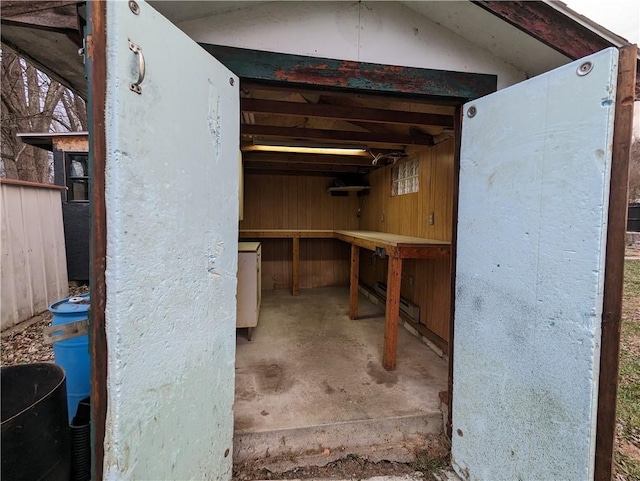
312 379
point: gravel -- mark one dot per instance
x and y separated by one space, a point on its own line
24 343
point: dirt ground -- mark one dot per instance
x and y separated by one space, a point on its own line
26 344
352 467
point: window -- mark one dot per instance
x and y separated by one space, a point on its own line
77 177
404 178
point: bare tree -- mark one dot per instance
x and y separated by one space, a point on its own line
75 110
32 102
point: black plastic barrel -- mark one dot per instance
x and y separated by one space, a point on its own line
35 426
80 432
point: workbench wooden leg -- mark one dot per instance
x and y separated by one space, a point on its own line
354 282
296 267
392 314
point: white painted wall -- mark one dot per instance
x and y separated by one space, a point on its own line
532 226
33 262
377 32
172 216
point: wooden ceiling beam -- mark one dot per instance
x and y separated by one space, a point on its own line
351 160
349 102
291 172
249 85
317 98
11 8
348 113
350 75
45 21
284 166
333 135
62 18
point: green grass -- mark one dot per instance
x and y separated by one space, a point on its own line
629 380
632 278
629 394
427 464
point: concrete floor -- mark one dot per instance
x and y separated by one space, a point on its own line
311 381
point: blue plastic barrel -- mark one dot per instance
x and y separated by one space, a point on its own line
73 354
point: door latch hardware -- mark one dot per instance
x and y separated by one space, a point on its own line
141 68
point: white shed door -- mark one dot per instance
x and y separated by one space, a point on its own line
172 231
532 223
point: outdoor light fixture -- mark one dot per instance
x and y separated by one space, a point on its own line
304 148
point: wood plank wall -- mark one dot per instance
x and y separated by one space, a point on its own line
299 202
424 282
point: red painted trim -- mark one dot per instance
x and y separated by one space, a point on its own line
553 28
549 26
97 58
319 72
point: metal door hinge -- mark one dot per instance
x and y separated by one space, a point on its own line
82 51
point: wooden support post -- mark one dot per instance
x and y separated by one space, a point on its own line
354 282
97 62
295 281
614 265
392 314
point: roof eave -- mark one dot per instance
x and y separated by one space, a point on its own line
44 140
557 26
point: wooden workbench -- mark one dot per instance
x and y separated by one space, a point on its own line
295 235
395 247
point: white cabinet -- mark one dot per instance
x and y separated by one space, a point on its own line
249 285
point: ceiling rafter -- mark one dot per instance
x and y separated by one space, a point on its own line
339 112
344 101
302 159
54 20
11 8
310 173
283 166
334 93
333 135
321 99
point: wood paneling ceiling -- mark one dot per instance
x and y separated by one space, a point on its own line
381 125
